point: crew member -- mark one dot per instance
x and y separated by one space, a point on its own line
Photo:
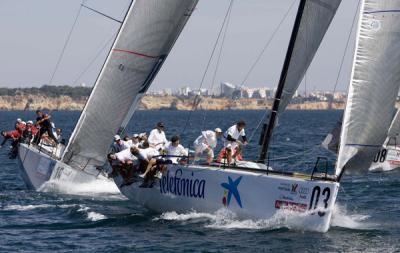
207 142
234 137
157 137
43 120
119 145
175 150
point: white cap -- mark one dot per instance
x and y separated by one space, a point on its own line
23 122
218 130
135 136
142 134
117 137
19 120
30 122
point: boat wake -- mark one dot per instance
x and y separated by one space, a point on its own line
79 208
225 219
100 189
342 219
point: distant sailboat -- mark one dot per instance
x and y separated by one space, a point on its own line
145 39
387 158
252 189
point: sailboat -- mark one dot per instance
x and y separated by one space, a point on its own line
388 156
252 189
146 36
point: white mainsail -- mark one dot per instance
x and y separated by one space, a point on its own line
146 37
373 87
317 16
311 24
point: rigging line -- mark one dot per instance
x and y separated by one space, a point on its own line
295 154
219 59
267 44
345 50
208 65
104 15
66 43
258 125
94 59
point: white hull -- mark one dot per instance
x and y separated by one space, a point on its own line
39 169
259 196
386 162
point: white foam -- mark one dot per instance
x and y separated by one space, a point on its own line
225 219
26 207
340 218
91 215
97 188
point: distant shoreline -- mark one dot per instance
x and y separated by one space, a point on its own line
29 102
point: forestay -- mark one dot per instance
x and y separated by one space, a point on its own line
147 35
373 87
316 18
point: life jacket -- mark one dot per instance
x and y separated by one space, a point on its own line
12 134
237 155
20 127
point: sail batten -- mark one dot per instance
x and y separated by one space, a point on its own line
146 37
374 86
311 24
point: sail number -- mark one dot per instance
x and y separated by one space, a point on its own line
315 196
381 156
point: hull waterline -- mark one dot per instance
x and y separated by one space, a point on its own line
247 194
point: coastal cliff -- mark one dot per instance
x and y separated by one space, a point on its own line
63 102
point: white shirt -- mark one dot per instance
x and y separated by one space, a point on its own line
125 155
130 143
119 147
157 139
208 137
234 132
175 151
148 153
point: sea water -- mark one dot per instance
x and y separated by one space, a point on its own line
94 218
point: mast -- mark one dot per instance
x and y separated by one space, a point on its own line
266 135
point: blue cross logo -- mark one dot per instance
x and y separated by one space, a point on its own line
232 190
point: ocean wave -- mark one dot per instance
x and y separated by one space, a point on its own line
26 207
90 214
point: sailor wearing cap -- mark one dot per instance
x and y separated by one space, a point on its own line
119 145
157 137
207 142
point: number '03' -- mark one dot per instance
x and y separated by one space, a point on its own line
315 196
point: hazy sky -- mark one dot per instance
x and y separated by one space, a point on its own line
34 32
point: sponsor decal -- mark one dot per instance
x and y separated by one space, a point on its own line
182 186
303 192
284 187
231 188
289 205
294 188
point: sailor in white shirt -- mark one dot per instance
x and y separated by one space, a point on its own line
119 144
157 137
125 163
207 141
234 137
174 148
134 141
